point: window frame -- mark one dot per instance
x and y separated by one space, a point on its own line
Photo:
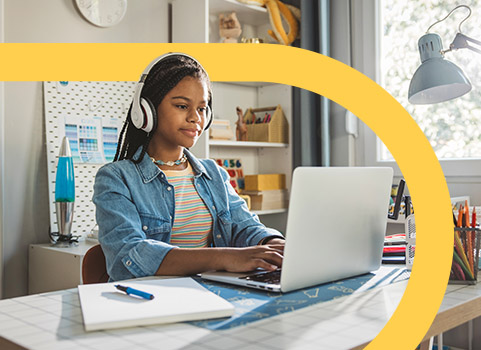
369 27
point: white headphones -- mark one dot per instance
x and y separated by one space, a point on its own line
143 112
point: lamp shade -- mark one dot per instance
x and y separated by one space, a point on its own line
437 79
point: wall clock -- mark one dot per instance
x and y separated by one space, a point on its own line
102 13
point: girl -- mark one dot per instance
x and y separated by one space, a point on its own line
162 211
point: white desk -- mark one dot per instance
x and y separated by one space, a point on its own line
53 321
460 305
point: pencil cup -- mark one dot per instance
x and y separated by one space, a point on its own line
464 269
410 229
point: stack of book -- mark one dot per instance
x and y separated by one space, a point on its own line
267 191
394 251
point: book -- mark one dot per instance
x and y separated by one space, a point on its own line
397 239
268 199
394 259
175 300
394 250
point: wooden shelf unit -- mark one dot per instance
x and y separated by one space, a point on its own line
256 157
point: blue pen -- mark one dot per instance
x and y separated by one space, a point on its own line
133 291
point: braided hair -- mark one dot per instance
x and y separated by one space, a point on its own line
162 78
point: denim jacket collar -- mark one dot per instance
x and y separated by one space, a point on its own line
149 171
197 166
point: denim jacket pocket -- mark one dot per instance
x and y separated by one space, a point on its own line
225 224
155 227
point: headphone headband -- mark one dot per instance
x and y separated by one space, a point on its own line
147 69
143 114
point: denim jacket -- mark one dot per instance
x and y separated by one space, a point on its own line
135 206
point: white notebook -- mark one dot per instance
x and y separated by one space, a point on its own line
176 300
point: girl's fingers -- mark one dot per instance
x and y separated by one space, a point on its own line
279 247
260 263
272 257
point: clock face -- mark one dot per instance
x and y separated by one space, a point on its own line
102 13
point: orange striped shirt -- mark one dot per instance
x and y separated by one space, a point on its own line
192 221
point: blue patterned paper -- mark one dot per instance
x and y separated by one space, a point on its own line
253 305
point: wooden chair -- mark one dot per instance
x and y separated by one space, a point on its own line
94 269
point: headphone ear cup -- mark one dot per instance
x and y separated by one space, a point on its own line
150 115
136 116
210 115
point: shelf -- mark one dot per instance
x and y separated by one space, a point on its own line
197 21
247 144
267 212
400 220
247 14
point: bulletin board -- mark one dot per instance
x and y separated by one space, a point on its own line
94 105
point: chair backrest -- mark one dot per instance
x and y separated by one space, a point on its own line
94 269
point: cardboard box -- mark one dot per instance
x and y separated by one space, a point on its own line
264 182
266 200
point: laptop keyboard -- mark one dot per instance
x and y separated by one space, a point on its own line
272 277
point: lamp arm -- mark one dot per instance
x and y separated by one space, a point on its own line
474 49
461 42
467 38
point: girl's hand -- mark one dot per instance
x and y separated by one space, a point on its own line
268 257
276 241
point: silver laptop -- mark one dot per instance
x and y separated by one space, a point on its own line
335 229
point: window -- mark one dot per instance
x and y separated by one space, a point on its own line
453 128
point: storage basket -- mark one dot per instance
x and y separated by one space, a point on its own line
273 128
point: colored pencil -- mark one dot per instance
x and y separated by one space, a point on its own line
458 260
474 236
469 238
460 216
462 255
473 220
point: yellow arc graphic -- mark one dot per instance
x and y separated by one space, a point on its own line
310 71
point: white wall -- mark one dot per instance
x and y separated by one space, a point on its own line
25 214
59 21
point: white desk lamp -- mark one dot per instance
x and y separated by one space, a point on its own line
437 79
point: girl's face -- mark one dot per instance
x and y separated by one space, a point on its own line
182 114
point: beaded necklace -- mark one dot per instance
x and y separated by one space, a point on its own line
182 159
